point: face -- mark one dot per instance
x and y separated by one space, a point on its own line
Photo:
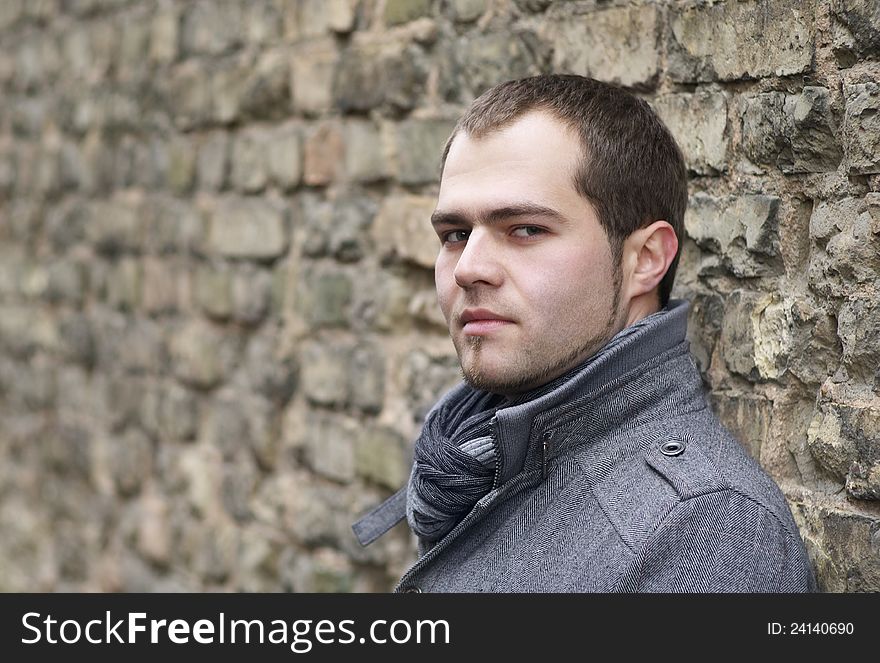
525 276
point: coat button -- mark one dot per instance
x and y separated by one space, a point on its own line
672 447
411 589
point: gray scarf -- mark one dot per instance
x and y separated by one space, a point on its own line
455 454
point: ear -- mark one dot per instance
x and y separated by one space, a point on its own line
648 253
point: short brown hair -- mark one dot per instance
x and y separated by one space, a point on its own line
631 171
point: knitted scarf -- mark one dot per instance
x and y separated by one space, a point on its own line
455 454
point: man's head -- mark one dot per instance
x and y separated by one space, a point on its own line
561 200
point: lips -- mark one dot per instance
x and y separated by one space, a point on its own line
482 322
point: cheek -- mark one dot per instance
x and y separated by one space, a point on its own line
444 281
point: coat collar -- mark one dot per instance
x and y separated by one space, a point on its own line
522 426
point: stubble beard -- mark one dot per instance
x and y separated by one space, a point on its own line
528 372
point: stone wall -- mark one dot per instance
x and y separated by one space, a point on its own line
218 330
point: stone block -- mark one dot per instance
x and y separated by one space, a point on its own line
244 89
172 226
402 228
816 349
271 372
366 378
77 339
855 30
617 44
425 378
131 460
743 230
325 372
704 326
161 279
213 290
247 228
465 11
366 159
380 457
154 536
419 146
249 168
266 93
749 419
403 11
756 335
861 127
140 347
124 284
181 171
330 447
165 34
313 18
352 214
284 157
213 161
324 154
134 41
178 414
729 41
843 546
370 75
202 356
114 226
312 66
189 99
264 438
699 124
844 438
67 281
251 290
237 486
325 570
845 235
792 132
858 326
324 297
125 395
212 29
481 61
226 425
262 22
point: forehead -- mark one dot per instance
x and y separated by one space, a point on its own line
537 136
535 157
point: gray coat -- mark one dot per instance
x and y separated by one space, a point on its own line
622 480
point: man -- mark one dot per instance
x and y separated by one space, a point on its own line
579 453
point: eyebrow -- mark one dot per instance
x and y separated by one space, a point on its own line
498 214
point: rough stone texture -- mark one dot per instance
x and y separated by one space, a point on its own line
743 231
373 74
312 70
855 30
247 228
793 132
846 237
756 335
861 126
402 228
752 39
618 44
699 124
419 142
219 333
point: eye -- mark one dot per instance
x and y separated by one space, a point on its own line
454 236
528 231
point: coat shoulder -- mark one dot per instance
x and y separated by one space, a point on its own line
641 476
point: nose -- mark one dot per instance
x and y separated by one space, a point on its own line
479 261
